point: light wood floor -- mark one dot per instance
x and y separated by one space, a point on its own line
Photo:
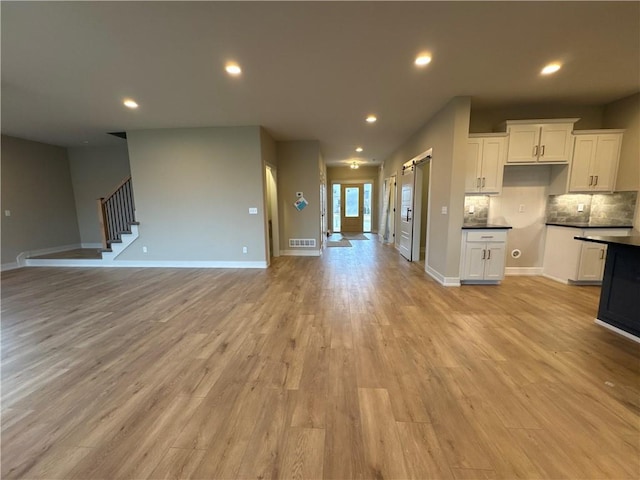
353 365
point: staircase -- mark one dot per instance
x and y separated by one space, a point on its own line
118 227
117 215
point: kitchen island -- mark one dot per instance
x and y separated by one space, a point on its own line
619 307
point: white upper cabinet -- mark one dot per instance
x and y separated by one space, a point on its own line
595 160
540 141
485 163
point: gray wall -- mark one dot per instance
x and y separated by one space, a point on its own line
298 171
344 174
485 120
95 173
625 113
193 188
446 133
36 188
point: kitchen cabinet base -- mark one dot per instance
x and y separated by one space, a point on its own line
619 305
617 330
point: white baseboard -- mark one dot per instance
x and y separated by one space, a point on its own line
617 330
523 271
441 279
300 253
97 263
91 245
550 277
9 266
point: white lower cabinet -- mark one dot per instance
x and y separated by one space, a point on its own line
569 260
483 255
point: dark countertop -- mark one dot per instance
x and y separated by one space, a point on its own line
632 241
485 226
586 225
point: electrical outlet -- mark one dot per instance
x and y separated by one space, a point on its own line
253 211
581 207
444 210
472 208
521 208
7 213
245 249
144 249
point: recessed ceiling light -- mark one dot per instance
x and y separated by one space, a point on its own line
422 60
551 68
130 103
233 69
359 149
371 118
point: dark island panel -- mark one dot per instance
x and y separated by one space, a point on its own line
620 294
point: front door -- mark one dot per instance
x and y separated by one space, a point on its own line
406 213
351 208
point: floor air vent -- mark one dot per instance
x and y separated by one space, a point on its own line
302 242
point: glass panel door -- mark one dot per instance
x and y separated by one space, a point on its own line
352 209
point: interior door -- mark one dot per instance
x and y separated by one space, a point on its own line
406 212
352 208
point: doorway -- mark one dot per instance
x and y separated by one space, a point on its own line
352 209
414 200
387 223
273 235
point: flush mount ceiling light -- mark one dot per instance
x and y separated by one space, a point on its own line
551 68
423 59
359 149
233 68
130 103
355 165
371 119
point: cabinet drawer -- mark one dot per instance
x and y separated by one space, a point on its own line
487 236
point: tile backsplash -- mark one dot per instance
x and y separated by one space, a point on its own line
599 209
480 213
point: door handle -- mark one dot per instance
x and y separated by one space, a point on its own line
590 180
484 254
535 151
601 254
478 182
596 183
489 254
483 179
408 212
542 151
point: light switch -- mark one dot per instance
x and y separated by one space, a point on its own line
7 213
581 207
472 208
521 208
444 210
253 211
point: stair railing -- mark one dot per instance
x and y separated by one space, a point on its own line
116 213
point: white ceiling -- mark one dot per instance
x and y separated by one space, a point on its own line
310 70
